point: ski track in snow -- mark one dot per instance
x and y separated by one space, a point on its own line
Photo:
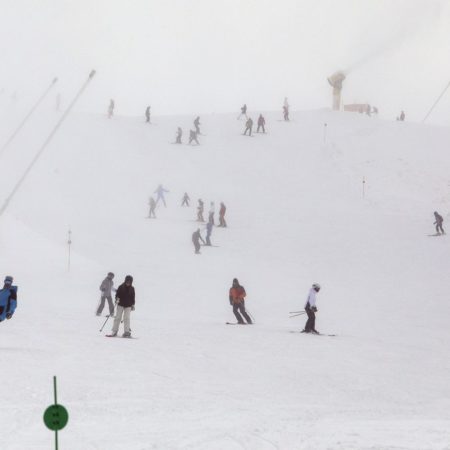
296 215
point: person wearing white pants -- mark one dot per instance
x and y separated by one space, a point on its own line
125 300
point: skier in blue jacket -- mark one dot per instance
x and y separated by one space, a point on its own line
8 299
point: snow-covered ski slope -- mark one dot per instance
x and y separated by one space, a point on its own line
296 215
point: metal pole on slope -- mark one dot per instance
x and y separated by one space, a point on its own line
325 133
436 102
364 187
41 98
44 145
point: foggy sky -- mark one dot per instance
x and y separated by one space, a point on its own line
202 56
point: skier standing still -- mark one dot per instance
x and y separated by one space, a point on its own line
178 136
311 309
222 211
125 300
261 123
111 108
200 209
197 125
147 114
212 210
237 296
152 205
438 220
248 126
106 289
185 199
196 238
209 227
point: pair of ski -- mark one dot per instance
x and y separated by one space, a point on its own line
116 336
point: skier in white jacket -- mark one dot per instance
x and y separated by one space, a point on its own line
311 309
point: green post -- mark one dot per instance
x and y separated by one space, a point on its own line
56 416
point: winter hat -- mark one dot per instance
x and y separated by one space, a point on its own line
235 280
128 279
316 286
9 279
110 275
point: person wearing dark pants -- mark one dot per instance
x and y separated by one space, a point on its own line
438 220
311 309
196 238
106 289
237 300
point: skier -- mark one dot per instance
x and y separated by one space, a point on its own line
243 111
438 222
261 123
193 137
178 136
125 301
209 227
286 109
185 199
8 299
106 287
248 126
196 238
311 309
160 194
200 209
147 114
197 125
237 296
402 116
152 205
222 211
111 108
212 210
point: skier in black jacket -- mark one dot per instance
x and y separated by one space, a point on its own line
438 220
125 300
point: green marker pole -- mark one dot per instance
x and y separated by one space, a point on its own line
56 416
56 402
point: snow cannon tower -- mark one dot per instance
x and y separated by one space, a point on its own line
335 81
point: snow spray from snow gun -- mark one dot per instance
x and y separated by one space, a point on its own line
16 132
56 416
47 141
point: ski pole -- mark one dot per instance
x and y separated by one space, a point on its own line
47 141
104 323
295 315
28 116
296 312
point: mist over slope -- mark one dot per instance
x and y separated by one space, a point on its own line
296 215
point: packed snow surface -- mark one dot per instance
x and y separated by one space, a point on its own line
296 215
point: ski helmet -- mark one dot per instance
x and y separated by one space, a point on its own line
316 286
9 279
128 279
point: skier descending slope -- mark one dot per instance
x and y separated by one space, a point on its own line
311 309
147 114
106 289
438 220
8 299
237 300
125 300
185 200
